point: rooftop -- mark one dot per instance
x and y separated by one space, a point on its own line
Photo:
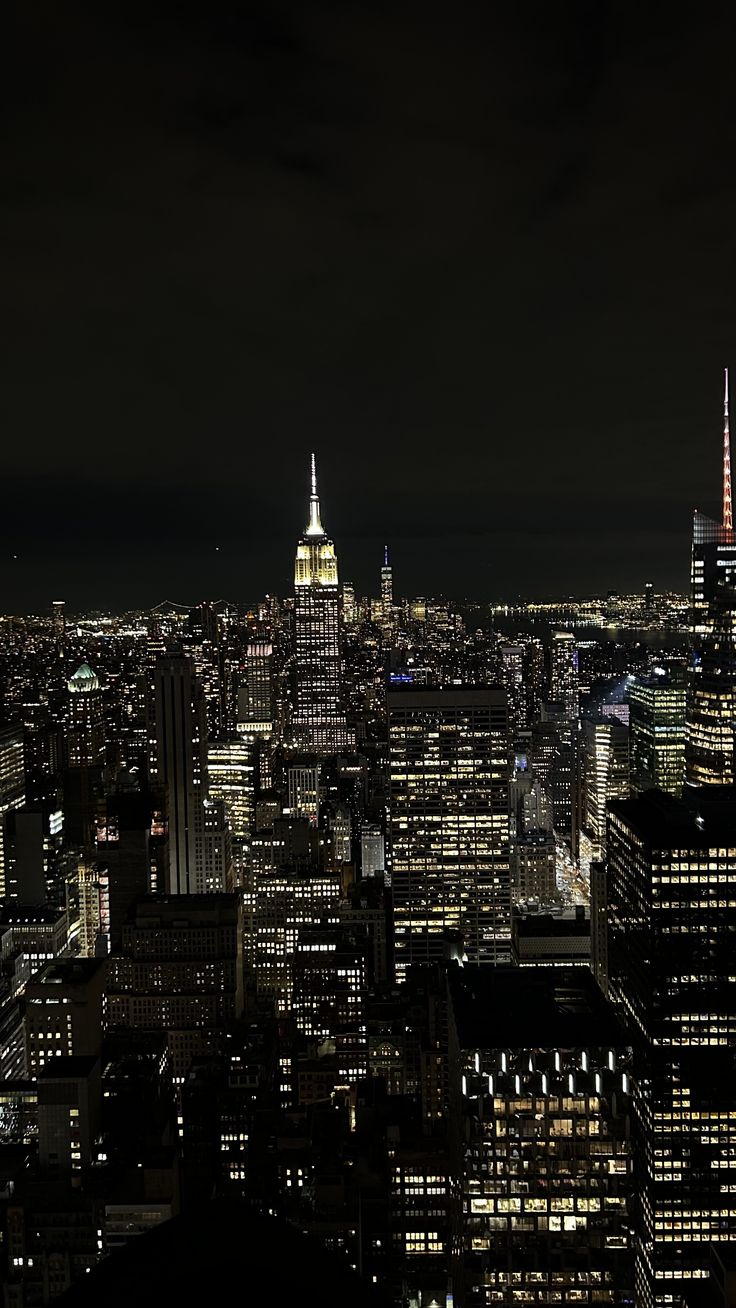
539 1007
704 817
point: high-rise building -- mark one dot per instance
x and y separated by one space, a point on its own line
181 767
711 713
12 793
319 724
533 866
349 611
546 1151
180 970
605 774
277 909
86 728
657 741
65 1011
255 698
85 756
449 770
512 674
564 684
303 789
58 617
387 589
231 766
671 923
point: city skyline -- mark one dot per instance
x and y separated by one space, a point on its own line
374 559
367 654
443 258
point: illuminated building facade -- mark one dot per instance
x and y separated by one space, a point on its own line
231 780
387 590
564 684
278 908
319 724
512 676
85 730
546 1183
711 715
303 790
255 698
657 725
671 922
449 775
12 793
605 774
533 868
328 999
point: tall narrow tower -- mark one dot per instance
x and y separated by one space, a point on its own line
181 757
387 588
711 715
318 722
727 502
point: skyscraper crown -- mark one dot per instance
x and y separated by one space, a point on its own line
314 526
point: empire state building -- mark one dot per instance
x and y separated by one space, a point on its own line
318 724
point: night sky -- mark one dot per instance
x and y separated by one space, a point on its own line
479 257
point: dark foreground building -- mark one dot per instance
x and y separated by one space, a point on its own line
672 919
546 1183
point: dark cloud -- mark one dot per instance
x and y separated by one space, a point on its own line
479 257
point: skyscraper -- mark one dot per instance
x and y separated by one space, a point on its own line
181 767
255 698
605 774
449 765
671 922
12 791
85 732
711 713
387 589
564 686
319 724
657 725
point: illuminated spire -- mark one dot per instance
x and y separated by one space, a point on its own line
385 556
315 527
727 500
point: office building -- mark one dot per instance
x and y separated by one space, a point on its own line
256 696
65 1011
372 850
303 789
387 590
534 866
30 935
85 721
671 924
564 682
69 1103
12 794
449 775
231 770
550 935
181 769
278 908
180 971
318 722
605 747
657 734
512 676
546 1157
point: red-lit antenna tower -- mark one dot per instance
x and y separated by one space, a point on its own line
727 500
